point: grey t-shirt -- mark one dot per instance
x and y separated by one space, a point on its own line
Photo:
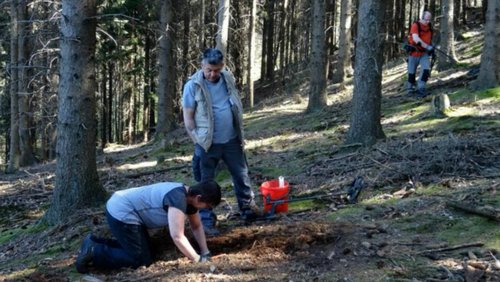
223 118
148 205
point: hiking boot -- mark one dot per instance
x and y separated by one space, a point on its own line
251 212
421 93
86 254
410 88
256 209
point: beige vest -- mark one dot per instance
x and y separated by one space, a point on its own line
204 117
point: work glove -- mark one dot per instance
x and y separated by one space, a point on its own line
205 257
430 48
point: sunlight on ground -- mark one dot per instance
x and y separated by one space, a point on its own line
394 73
449 263
290 138
472 33
114 148
137 165
149 164
13 276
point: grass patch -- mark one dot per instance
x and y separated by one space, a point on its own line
302 205
9 234
481 229
464 95
223 176
431 190
454 229
347 214
461 123
403 108
414 268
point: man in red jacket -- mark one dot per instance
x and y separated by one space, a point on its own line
421 40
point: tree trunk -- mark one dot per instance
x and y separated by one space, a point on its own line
343 66
201 42
235 51
130 116
365 127
111 67
77 182
14 151
185 40
284 22
447 42
166 80
147 86
270 40
317 67
223 25
25 142
104 110
489 71
251 48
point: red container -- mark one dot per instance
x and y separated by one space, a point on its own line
275 193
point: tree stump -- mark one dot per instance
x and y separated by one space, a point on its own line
440 104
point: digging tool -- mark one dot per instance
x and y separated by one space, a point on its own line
352 196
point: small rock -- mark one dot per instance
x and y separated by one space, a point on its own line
381 253
212 268
366 244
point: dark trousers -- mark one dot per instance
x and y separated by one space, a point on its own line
233 156
130 249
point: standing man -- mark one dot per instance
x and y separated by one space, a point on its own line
131 212
420 40
213 116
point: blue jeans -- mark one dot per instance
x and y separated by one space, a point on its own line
130 249
425 64
232 154
196 164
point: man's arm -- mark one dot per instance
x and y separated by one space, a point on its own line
176 220
189 123
415 36
198 232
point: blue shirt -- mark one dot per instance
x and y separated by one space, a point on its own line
223 117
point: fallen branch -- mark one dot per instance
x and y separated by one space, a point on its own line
451 248
491 215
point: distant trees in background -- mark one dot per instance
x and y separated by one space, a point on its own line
146 50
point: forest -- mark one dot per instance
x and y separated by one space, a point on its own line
90 103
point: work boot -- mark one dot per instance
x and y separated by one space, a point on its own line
86 254
209 221
251 212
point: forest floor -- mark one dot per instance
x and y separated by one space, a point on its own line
429 210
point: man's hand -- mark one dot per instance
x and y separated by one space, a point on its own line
430 48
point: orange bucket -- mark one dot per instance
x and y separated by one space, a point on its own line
275 193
